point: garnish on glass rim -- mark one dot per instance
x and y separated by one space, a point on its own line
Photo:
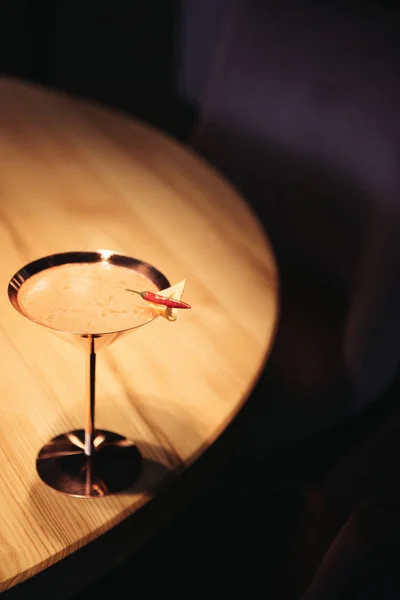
159 299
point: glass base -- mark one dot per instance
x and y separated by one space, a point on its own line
114 466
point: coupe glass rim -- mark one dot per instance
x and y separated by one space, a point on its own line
82 257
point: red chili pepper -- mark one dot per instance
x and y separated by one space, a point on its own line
163 300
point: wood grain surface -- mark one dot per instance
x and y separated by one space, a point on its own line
74 176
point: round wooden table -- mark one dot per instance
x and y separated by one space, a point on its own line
75 176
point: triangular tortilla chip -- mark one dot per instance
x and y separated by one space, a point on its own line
175 292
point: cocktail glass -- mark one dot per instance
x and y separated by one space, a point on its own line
83 295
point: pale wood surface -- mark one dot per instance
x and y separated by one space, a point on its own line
74 176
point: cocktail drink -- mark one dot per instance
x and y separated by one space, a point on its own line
86 296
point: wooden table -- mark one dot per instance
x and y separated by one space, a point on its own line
74 176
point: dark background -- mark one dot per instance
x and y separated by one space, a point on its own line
147 58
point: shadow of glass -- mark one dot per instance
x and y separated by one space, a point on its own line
152 475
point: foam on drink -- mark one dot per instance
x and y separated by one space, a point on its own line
87 298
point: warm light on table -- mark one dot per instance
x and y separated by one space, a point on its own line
77 177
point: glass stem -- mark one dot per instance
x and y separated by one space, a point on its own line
90 399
